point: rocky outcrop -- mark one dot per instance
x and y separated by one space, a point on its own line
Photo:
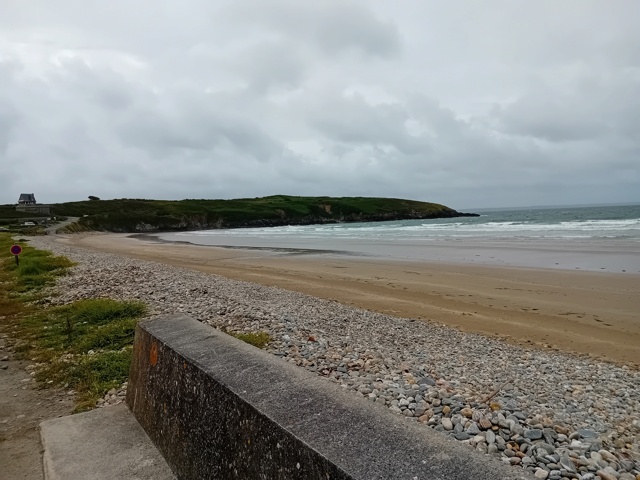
199 222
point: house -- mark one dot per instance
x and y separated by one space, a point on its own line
27 199
27 203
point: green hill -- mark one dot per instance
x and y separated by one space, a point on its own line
136 215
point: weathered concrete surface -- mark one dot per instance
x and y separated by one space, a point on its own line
102 444
219 408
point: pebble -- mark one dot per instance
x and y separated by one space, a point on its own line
572 416
533 434
541 473
606 475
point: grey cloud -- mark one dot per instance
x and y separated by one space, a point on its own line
351 119
550 120
498 104
333 26
276 64
195 123
9 119
593 107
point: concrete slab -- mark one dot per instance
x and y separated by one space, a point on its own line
102 444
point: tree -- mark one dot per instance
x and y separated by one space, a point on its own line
91 197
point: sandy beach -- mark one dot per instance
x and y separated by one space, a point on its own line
591 313
552 412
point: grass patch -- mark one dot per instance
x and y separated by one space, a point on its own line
99 323
74 227
86 346
257 339
89 375
37 269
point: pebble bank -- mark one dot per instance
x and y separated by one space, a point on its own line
556 415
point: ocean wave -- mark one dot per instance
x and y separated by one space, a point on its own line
526 224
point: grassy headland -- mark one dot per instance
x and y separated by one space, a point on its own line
138 215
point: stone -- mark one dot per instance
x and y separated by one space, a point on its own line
473 429
426 381
484 423
476 415
466 412
541 473
567 464
532 434
447 424
490 437
607 456
419 410
605 475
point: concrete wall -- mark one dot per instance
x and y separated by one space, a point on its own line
218 408
35 209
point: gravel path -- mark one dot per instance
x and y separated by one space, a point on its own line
556 415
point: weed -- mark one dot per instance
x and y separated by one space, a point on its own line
257 339
85 345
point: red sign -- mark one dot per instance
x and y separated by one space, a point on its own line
16 249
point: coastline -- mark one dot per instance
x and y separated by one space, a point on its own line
579 312
552 413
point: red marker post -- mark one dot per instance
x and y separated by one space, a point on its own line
16 250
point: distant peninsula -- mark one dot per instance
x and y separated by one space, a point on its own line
138 215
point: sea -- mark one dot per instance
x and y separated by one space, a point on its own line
595 238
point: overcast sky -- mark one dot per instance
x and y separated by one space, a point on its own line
466 103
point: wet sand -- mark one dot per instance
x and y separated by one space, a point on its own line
593 313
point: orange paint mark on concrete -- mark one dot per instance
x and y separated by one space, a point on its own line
153 355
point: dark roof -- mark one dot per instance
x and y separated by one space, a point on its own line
27 198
